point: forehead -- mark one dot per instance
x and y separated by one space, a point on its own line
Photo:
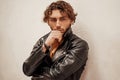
58 14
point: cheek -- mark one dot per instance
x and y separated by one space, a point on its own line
51 25
67 25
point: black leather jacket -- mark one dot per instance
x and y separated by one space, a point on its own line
67 63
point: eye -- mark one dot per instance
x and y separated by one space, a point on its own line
53 19
62 19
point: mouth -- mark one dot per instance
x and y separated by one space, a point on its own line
61 30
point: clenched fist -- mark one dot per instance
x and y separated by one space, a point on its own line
55 37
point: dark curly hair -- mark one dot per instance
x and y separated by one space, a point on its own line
63 7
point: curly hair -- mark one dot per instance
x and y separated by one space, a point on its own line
63 6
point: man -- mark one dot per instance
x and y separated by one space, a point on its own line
60 54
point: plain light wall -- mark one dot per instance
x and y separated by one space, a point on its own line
98 22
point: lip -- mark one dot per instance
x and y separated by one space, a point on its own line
61 30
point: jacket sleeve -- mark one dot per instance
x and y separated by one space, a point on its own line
74 59
35 59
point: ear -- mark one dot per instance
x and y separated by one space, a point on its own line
47 22
72 22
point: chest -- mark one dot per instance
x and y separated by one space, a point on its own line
61 51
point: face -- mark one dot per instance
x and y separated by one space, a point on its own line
59 21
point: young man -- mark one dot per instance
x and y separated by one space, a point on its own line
60 54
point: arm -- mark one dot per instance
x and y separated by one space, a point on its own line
74 59
40 53
36 58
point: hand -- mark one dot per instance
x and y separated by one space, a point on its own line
54 37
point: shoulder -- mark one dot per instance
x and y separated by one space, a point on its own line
41 40
78 42
44 37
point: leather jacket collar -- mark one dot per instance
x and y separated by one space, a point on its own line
67 33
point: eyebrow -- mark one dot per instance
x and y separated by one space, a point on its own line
60 17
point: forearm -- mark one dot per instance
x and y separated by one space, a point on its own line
36 58
33 62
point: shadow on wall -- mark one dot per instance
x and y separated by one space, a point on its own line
91 70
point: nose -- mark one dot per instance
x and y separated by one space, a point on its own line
58 23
